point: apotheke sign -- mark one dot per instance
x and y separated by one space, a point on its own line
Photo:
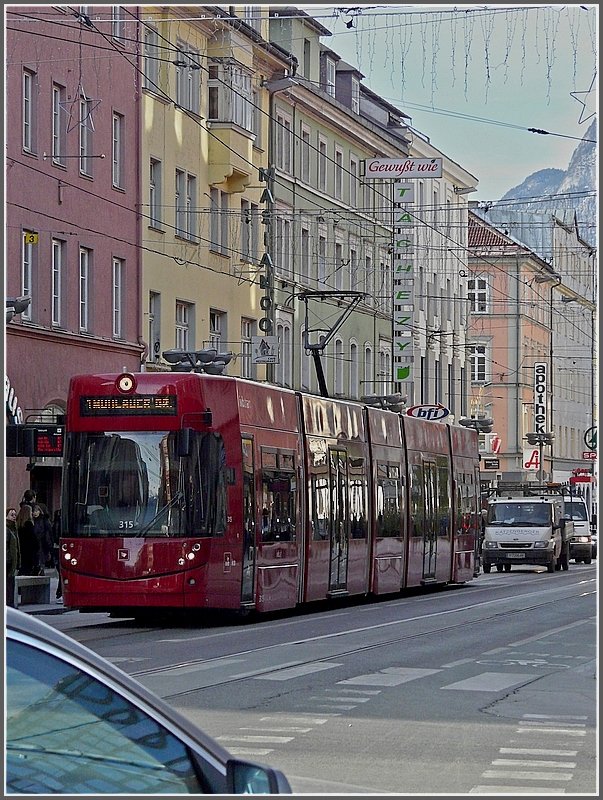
383 168
540 391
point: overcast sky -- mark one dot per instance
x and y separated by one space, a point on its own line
512 67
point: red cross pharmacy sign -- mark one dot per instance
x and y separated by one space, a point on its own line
531 458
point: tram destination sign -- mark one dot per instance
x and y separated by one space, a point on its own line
129 405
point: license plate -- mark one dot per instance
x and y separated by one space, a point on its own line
516 555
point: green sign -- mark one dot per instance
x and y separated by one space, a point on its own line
590 438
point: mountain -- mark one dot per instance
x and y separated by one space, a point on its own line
572 189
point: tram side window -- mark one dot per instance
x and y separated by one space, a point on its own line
417 501
279 488
443 509
206 487
320 507
388 500
358 515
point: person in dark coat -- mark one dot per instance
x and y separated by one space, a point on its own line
43 534
28 543
13 555
56 535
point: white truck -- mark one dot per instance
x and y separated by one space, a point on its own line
526 524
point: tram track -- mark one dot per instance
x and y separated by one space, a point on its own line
569 594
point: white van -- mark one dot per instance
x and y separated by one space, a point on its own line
581 546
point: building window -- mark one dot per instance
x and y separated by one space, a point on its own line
330 77
355 95
368 370
322 260
58 126
117 152
305 255
322 165
180 202
369 280
283 142
230 95
218 225
307 58
283 246
85 136
247 327
117 297
353 182
246 223
118 23
477 294
182 329
151 58
155 193
191 208
339 266
338 173
338 367
304 363
28 111
353 370
216 329
305 153
27 271
257 119
154 326
253 17
385 367
56 281
188 77
84 288
478 360
354 278
284 369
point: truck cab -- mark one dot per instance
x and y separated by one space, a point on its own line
526 527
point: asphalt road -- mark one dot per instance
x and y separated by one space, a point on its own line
483 689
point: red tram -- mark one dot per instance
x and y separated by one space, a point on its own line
189 491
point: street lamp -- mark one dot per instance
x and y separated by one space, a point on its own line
209 360
540 439
481 424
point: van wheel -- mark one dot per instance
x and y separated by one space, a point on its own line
579 560
551 566
499 567
507 568
587 561
487 567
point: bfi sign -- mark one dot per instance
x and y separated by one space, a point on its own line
540 392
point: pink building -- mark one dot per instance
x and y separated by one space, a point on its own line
72 206
510 330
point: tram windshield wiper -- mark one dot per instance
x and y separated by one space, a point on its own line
177 497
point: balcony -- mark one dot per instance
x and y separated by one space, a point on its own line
230 156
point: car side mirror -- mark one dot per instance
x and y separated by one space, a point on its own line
245 777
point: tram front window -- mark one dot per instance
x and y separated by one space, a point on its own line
137 484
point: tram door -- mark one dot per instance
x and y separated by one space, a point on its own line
430 533
249 548
340 528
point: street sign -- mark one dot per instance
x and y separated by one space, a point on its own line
590 438
264 349
491 463
495 443
428 411
531 459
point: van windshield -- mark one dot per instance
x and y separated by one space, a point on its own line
576 511
514 514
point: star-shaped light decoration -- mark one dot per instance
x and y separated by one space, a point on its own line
589 100
73 110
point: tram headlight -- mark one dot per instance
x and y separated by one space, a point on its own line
190 556
67 556
181 562
196 547
74 562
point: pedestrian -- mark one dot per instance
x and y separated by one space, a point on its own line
56 535
13 555
29 498
28 544
43 534
47 541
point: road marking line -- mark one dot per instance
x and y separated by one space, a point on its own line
371 692
528 776
554 716
304 720
392 676
256 739
516 762
516 790
291 729
562 731
242 751
549 633
544 723
535 751
490 682
458 663
296 672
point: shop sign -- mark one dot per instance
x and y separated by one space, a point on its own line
14 413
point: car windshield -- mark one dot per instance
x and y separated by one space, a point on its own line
538 514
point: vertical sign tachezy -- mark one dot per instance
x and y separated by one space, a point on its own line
403 282
540 399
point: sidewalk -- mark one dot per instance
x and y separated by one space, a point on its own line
46 608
